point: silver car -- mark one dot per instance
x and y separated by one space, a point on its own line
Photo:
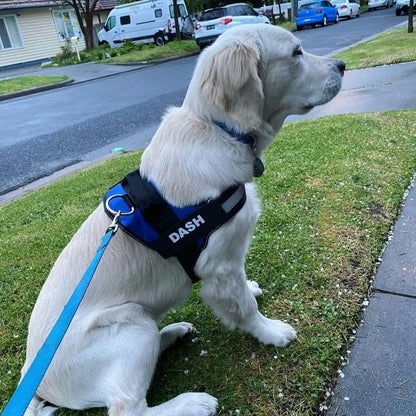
373 4
215 21
347 8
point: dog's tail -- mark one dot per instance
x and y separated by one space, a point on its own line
39 407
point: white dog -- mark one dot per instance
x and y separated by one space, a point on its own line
248 81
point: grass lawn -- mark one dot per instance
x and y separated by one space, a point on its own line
389 48
330 193
26 82
152 53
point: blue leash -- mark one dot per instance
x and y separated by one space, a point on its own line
26 389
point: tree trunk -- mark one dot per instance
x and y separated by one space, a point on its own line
84 9
89 32
410 21
176 18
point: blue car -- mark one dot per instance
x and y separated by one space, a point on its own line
316 13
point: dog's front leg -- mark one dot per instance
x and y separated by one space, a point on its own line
232 299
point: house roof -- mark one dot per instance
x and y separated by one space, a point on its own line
27 4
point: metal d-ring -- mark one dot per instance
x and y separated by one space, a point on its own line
109 209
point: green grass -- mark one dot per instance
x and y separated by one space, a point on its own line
151 53
331 191
288 25
127 53
389 48
26 82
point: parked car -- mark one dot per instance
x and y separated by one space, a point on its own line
373 4
402 6
142 21
347 8
316 13
215 21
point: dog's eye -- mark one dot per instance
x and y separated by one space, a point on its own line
297 51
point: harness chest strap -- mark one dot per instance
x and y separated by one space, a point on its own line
167 229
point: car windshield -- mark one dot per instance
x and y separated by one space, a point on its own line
337 1
212 14
309 6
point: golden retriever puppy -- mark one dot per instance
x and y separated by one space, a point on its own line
243 86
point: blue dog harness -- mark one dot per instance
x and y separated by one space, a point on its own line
170 230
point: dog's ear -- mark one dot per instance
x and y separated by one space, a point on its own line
231 81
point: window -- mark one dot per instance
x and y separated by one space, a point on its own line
9 33
182 10
242 10
309 6
111 23
158 13
249 11
125 20
67 24
212 14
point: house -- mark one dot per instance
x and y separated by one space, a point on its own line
31 31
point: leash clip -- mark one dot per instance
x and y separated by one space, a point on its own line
117 214
114 225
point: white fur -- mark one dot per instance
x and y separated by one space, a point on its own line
251 78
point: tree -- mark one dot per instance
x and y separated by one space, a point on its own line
176 19
84 10
410 21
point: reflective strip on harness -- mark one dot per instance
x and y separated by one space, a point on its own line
167 229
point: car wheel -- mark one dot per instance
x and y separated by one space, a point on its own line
358 13
398 12
298 27
336 18
159 39
324 22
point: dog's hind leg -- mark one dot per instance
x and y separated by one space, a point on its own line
131 360
38 407
107 359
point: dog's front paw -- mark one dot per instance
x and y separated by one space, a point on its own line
197 404
186 404
274 332
174 332
278 333
254 288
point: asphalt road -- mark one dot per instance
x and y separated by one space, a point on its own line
46 132
335 37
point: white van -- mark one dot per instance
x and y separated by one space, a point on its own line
142 21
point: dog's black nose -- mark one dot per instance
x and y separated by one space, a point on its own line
341 66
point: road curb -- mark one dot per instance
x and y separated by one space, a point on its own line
34 90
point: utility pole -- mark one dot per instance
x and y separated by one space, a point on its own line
294 6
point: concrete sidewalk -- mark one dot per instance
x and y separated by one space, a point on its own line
380 379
